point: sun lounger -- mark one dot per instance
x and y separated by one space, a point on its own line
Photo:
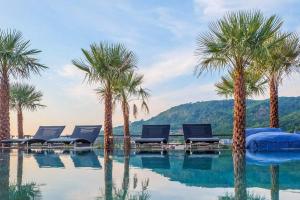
81 134
43 134
198 133
158 134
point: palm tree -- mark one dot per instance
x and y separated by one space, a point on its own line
103 64
16 60
282 60
254 84
23 96
234 42
129 89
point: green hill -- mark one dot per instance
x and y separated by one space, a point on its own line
220 115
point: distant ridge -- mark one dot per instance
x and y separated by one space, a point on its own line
220 114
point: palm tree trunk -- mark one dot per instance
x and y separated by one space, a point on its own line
274 114
4 174
239 166
125 111
108 129
19 168
20 123
239 120
125 184
4 107
108 165
274 182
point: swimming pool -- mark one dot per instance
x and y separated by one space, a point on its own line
144 175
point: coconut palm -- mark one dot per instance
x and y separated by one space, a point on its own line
103 64
23 96
233 43
129 89
17 60
282 60
255 84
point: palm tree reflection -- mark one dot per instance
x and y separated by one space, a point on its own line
4 173
239 167
16 191
240 186
274 182
124 192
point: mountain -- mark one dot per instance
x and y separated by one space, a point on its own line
219 113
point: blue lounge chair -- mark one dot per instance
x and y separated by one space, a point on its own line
81 134
198 133
154 134
43 134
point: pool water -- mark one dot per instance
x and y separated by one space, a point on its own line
80 175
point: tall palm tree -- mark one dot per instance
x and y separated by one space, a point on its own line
255 84
16 60
103 64
23 96
129 88
282 60
234 42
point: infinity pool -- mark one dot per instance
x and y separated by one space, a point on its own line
174 175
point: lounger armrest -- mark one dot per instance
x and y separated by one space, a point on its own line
151 140
212 139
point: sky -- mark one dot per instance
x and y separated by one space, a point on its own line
161 33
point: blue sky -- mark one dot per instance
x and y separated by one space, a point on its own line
161 33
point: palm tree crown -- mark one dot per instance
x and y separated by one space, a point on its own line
23 96
16 57
129 88
105 62
255 84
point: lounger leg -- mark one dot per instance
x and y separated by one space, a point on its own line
162 145
191 144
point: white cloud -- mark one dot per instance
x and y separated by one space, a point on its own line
168 66
217 8
70 71
169 22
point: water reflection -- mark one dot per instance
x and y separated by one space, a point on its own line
47 159
155 159
4 173
147 175
16 191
